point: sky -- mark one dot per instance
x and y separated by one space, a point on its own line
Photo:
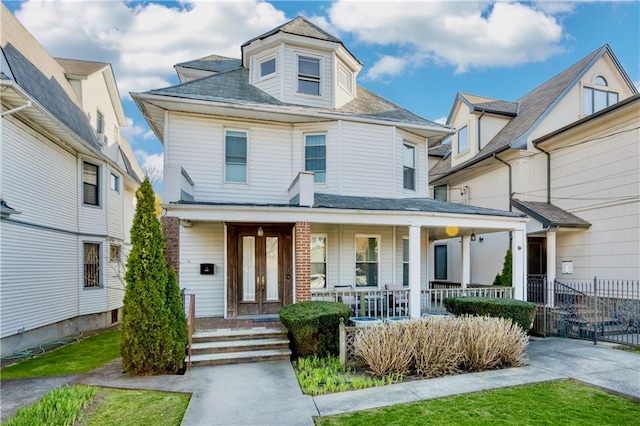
417 54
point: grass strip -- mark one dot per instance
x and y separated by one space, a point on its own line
75 358
563 402
61 406
137 407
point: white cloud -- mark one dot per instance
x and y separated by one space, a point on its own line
145 40
465 35
441 120
387 66
152 165
555 7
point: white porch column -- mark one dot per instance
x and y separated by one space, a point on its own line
466 261
414 271
551 266
519 252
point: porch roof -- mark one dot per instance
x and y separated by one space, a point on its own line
549 215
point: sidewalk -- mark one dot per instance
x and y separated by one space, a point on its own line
268 393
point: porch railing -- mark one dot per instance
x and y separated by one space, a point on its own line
392 303
191 324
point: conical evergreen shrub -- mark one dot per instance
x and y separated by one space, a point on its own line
146 337
177 323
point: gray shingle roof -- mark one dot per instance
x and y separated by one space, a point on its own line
549 215
298 26
78 67
532 106
48 93
497 106
440 150
344 202
213 63
234 87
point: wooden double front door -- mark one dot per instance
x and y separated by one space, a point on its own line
260 268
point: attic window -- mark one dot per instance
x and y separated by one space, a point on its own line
600 81
463 142
308 75
268 67
345 78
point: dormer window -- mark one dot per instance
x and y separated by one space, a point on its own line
308 75
593 100
268 67
345 79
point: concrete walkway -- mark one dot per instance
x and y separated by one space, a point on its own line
268 393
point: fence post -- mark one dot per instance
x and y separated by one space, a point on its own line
342 333
595 310
545 298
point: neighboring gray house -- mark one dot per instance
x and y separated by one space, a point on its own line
67 183
283 177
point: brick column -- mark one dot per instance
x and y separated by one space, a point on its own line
303 261
171 231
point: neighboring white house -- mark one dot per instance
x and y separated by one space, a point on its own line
567 155
283 176
67 183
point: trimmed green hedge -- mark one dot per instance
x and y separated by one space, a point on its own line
520 312
313 326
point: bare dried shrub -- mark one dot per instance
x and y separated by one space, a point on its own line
439 347
491 343
386 348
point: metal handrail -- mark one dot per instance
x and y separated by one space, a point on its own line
191 322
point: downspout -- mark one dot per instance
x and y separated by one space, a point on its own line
510 183
548 154
17 109
480 131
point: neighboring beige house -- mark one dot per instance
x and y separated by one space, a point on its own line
67 182
567 155
283 177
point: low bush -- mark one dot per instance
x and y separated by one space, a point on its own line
520 312
386 348
313 326
434 347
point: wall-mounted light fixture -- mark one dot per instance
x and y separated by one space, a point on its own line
260 232
473 235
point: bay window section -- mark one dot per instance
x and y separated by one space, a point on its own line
308 75
367 261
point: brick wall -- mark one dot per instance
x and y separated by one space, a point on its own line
171 231
303 261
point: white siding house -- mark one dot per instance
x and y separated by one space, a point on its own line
290 179
566 154
67 193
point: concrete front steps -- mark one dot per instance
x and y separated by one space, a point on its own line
233 346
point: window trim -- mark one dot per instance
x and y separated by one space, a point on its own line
97 185
118 257
326 258
435 262
406 145
117 181
263 60
84 265
349 75
593 89
224 157
304 154
466 148
308 77
378 237
405 262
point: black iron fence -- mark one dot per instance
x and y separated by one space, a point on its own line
607 310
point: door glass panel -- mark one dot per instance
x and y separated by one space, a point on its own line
248 269
272 268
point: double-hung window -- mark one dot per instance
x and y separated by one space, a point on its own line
91 265
367 261
90 184
315 156
235 156
115 182
440 192
595 99
318 261
409 167
463 141
405 262
99 122
440 272
308 75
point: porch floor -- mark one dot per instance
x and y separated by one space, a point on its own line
262 321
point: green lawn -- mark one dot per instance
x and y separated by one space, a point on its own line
75 358
553 403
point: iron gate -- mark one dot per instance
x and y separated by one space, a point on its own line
607 310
